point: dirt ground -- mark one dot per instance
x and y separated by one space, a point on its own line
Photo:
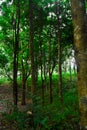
6 105
6 98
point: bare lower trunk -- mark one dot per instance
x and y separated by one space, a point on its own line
15 86
23 92
50 90
42 81
33 83
43 100
60 83
16 47
80 38
59 35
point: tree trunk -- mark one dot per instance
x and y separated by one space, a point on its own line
50 67
44 69
41 67
70 70
16 47
80 38
59 35
23 102
23 91
50 86
43 98
31 42
60 70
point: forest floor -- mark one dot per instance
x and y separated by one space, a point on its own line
5 100
6 97
6 106
52 116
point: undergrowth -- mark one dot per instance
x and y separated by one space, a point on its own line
55 116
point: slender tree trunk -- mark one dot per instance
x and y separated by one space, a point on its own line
50 67
41 74
23 91
23 102
15 85
60 69
31 42
59 35
16 47
36 72
50 80
50 86
42 85
70 70
44 67
41 67
25 75
80 39
36 61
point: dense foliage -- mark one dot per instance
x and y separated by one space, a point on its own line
37 61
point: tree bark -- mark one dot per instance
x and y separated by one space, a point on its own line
31 42
16 47
80 39
60 69
23 91
50 86
70 70
23 102
59 35
50 68
41 67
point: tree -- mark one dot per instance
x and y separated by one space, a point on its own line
31 42
80 39
10 29
59 47
16 23
25 74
